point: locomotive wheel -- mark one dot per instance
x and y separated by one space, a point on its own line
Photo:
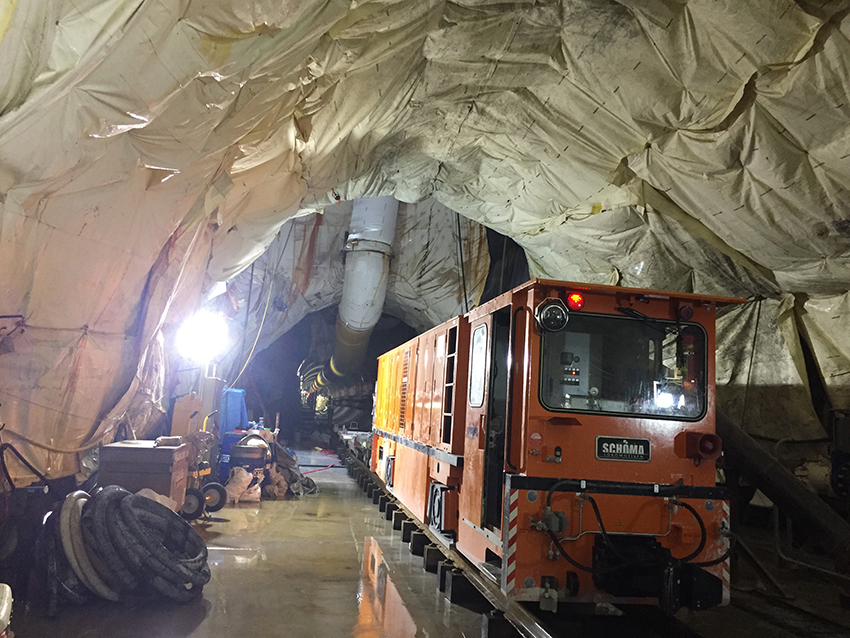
215 496
193 504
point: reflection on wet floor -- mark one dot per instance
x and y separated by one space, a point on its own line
322 565
382 611
387 611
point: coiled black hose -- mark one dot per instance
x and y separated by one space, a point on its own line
136 545
159 547
104 547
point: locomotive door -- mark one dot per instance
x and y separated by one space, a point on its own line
498 413
488 404
487 412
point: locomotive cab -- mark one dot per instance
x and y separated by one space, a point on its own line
573 455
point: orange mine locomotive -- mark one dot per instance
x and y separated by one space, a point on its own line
562 438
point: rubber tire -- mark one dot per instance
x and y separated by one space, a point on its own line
193 504
215 496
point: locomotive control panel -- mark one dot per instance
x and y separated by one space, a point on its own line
570 371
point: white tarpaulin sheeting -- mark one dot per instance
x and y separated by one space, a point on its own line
762 381
825 322
151 147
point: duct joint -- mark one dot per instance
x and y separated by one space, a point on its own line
368 246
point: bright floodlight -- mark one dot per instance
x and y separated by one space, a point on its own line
202 337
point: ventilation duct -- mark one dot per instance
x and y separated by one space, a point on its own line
783 488
367 268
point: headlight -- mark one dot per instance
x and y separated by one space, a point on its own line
551 315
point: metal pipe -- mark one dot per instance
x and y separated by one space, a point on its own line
786 490
462 268
247 308
777 545
367 268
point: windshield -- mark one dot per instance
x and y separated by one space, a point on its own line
624 365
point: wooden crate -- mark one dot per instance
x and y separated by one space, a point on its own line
135 465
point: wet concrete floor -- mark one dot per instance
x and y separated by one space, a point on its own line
322 565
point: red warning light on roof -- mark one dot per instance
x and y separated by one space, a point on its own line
575 301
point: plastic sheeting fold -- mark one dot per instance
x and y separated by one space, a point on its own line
761 376
825 322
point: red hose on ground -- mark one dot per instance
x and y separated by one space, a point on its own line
319 469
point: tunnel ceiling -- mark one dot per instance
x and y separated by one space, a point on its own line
150 148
